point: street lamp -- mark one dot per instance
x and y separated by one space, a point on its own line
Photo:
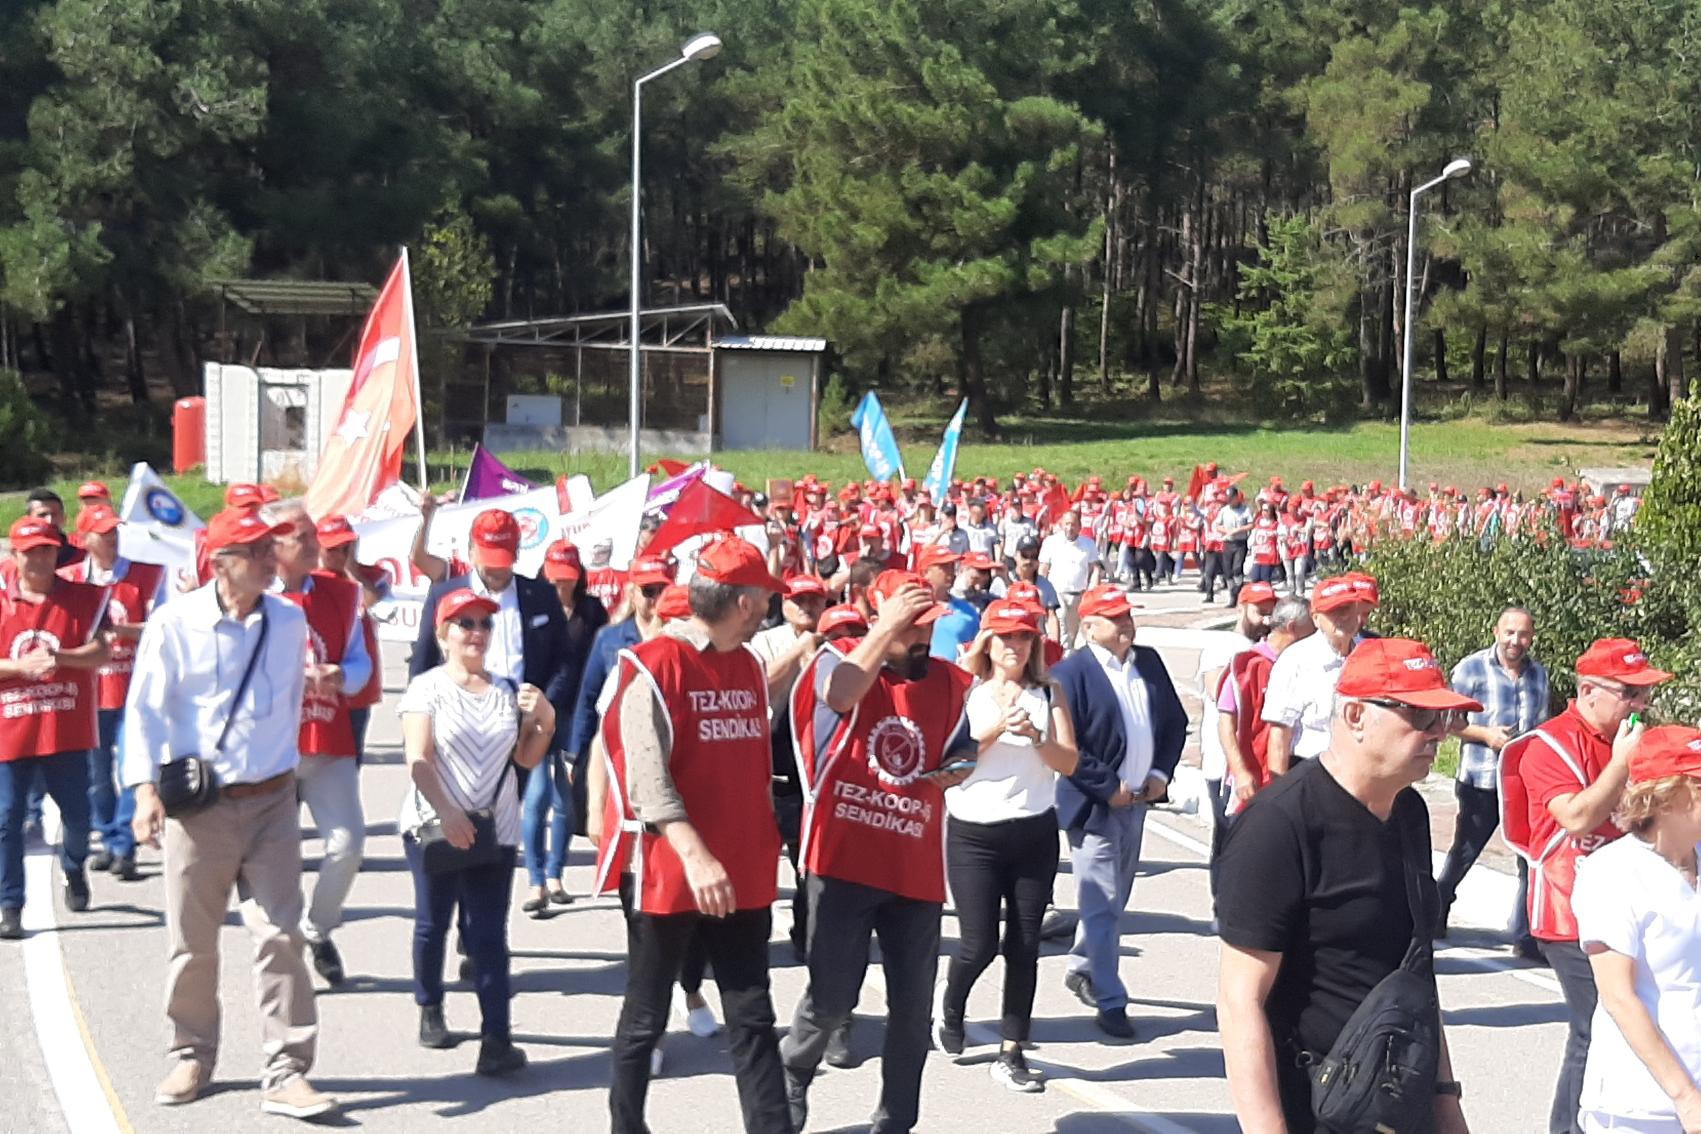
703 46
1456 168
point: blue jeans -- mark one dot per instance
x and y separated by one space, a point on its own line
110 809
482 894
546 813
65 776
1104 866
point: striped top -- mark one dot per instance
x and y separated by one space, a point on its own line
475 734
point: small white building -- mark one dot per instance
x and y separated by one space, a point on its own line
267 424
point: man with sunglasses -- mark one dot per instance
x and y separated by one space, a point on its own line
1559 784
1313 899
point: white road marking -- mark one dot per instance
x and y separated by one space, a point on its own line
85 1098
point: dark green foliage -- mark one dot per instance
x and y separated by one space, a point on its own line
26 433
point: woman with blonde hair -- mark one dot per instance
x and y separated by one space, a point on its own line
1001 844
1639 921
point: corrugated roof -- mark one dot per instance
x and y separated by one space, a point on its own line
298 297
780 343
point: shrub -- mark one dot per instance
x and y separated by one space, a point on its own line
832 413
27 434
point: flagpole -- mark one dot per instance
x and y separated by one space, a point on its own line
413 348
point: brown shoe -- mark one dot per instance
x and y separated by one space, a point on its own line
184 1085
295 1097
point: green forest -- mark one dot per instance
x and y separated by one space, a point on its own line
1032 202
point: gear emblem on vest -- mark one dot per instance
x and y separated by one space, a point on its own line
30 641
316 651
896 749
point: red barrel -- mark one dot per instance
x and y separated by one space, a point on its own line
188 434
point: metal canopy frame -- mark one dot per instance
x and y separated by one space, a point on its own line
297 297
688 329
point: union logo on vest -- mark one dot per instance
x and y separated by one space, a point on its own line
896 749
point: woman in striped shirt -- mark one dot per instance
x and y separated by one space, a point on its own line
461 731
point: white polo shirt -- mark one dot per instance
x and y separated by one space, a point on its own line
1215 658
1302 693
1637 904
1070 561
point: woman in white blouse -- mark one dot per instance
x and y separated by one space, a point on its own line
1639 920
1001 843
461 732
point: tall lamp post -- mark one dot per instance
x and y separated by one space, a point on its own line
1458 167
704 46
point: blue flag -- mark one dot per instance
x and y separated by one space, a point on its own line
879 446
945 461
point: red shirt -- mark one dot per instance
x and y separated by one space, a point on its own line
1547 775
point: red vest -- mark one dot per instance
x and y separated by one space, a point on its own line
40 718
721 761
1529 828
129 602
1250 672
331 606
868 816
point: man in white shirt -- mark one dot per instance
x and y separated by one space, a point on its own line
1301 697
1071 561
183 701
982 533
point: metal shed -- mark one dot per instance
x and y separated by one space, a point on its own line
764 391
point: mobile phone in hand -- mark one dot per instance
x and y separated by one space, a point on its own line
959 766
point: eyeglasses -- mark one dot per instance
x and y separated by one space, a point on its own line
1424 720
653 591
1629 694
468 625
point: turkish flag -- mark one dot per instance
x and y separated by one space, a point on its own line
364 456
700 510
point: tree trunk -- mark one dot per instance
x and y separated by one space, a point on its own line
1500 390
1440 356
1479 352
971 381
1573 387
1112 196
1535 371
1615 374
133 372
1668 365
1066 355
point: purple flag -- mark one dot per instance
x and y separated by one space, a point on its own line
488 477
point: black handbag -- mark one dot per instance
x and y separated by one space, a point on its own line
187 783
1381 1072
440 856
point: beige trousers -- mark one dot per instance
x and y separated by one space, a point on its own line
253 845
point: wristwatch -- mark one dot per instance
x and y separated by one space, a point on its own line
1450 1087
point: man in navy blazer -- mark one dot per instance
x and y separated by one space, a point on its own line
1130 728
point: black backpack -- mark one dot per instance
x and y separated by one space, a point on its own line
1380 1074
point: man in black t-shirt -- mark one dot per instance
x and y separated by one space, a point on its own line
1311 895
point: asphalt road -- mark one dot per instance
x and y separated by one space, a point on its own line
86 1041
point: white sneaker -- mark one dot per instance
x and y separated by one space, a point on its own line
701 1022
656 1060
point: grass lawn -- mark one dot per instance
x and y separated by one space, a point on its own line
1467 453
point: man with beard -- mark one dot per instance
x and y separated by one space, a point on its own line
974 580
688 747
879 726
1257 600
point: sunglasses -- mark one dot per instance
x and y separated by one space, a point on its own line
1421 719
468 625
653 591
1629 694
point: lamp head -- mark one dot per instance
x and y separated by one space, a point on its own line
1458 167
704 46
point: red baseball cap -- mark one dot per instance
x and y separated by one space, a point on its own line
652 571
94 490
805 584
980 561
1009 616
1332 594
1251 594
888 583
495 538
464 603
233 527
334 531
909 484
675 603
933 555
561 563
29 531
1025 592
1365 587
841 617
1669 750
737 563
1620 660
243 495
1399 669
1107 600
96 518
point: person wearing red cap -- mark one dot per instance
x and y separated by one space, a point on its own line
689 758
1001 844
1130 728
1559 785
876 726
328 776
45 504
1241 728
547 810
466 733
1637 918
52 649
1324 886
133 590
1232 526
1252 625
1026 572
957 625
337 543
199 657
1300 697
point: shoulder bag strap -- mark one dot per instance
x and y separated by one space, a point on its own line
1420 953
247 676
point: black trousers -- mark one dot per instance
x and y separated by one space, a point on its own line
843 917
995 868
1478 819
788 810
1577 984
696 962
1167 566
1211 572
1234 567
737 946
